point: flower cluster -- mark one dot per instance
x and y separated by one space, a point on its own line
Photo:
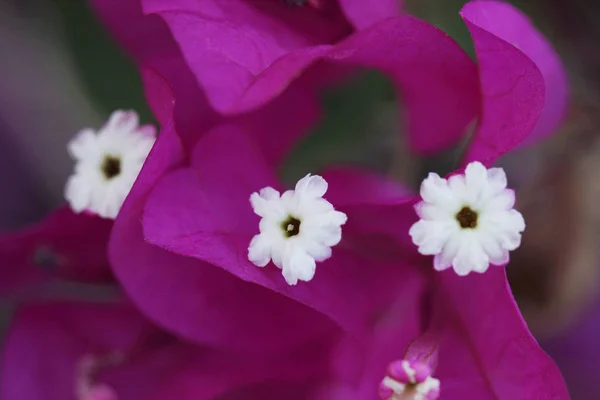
235 285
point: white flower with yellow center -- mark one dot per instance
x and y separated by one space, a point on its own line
467 222
107 163
297 228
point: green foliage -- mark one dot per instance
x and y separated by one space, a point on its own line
110 77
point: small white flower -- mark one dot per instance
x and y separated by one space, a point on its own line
297 228
107 163
405 382
467 221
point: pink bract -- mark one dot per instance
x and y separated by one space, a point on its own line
186 263
61 351
64 245
523 82
183 293
203 212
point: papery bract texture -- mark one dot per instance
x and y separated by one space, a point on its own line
435 76
60 351
63 245
486 350
183 293
165 73
203 212
363 14
523 82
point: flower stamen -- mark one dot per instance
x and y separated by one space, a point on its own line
467 218
111 166
291 226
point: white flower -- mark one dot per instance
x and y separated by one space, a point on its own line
107 163
408 383
297 228
467 221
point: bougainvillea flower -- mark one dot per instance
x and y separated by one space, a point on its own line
182 293
485 349
297 228
523 91
408 378
465 316
202 211
63 245
523 82
485 352
432 73
63 351
190 264
467 222
107 163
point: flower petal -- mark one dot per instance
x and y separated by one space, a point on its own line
432 72
204 213
228 44
487 352
363 14
358 367
437 79
523 82
165 74
66 245
55 338
183 293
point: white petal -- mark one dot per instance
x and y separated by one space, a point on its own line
476 181
77 193
430 236
263 202
444 259
492 247
277 252
476 175
497 179
506 227
89 188
82 144
259 251
470 257
516 220
123 121
298 265
433 212
502 201
328 235
147 131
435 189
463 195
511 240
317 250
311 186
336 218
